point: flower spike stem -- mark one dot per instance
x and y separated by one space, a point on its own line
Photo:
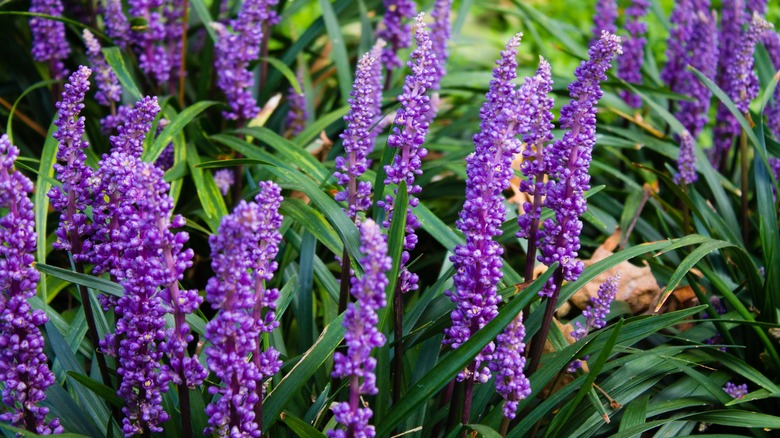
537 346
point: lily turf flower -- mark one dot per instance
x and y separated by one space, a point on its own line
362 336
23 363
408 136
235 50
224 179
686 161
440 35
604 18
736 391
49 43
394 31
630 63
357 139
117 25
478 262
158 44
109 92
297 115
677 50
508 363
243 253
771 42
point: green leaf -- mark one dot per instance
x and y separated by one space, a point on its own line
85 280
290 152
312 130
314 222
285 70
26 433
9 127
200 9
210 197
454 362
635 413
41 200
484 431
106 393
301 428
339 52
174 128
117 63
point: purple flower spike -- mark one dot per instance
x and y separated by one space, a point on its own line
604 18
508 364
395 31
109 92
568 162
243 255
686 161
408 137
677 56
630 63
224 179
159 43
49 43
298 115
757 6
534 169
361 335
489 170
771 42
235 50
702 55
357 140
23 364
137 123
440 35
117 25
596 312
73 196
742 85
736 391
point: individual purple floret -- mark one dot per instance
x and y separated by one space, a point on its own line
117 25
534 169
440 35
736 391
742 87
630 63
686 160
224 179
596 312
568 163
235 50
74 195
408 136
24 370
604 18
394 31
508 364
677 46
109 92
243 253
298 115
362 336
489 169
702 54
357 140
49 44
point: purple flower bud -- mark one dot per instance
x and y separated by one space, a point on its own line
408 137
361 335
440 35
357 139
235 50
604 18
736 391
24 368
508 363
478 262
568 162
771 42
243 255
135 127
117 25
224 179
49 43
395 31
109 92
686 161
298 115
630 63
73 196
596 312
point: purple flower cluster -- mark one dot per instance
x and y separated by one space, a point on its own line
361 335
534 165
771 42
568 162
677 52
596 313
440 35
109 92
74 195
630 63
478 262
508 363
158 44
224 179
117 25
49 43
298 115
408 136
686 161
394 31
736 391
357 139
243 255
23 364
235 50
604 18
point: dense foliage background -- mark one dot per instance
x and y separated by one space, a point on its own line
698 299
